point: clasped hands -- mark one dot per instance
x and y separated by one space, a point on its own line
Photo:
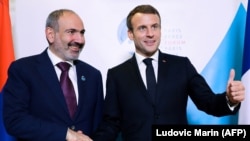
77 136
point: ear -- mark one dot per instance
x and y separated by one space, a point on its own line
50 34
130 35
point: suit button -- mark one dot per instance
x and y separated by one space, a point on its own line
73 127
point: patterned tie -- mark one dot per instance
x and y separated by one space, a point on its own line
67 88
150 77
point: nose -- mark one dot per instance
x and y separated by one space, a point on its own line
150 32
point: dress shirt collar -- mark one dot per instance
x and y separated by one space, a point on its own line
140 58
54 59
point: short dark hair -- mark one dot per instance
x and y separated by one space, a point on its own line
146 9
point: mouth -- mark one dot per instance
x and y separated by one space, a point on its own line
150 42
75 48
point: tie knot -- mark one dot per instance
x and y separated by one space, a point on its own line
64 66
148 61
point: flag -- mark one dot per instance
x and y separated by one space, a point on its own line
6 44
6 57
244 114
216 72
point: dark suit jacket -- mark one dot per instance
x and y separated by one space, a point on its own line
34 106
129 108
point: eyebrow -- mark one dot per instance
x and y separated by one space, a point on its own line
75 30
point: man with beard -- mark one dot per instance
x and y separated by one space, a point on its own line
35 107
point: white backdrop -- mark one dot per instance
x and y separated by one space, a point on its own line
192 28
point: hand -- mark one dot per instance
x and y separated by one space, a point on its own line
76 136
235 89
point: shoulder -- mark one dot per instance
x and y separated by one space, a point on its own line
25 61
32 59
123 66
85 66
173 58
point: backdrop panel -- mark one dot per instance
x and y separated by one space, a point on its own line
209 32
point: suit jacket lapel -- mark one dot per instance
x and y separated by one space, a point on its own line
47 71
138 78
162 74
81 82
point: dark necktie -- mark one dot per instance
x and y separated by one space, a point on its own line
67 88
150 77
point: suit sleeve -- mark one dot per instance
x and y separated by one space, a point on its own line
204 97
99 104
110 125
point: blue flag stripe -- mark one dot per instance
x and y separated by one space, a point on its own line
246 54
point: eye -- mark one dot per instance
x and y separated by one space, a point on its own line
71 31
142 28
155 27
82 32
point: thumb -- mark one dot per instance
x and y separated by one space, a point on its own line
231 76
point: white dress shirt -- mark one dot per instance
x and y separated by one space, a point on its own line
142 66
72 71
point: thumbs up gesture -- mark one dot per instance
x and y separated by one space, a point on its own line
235 89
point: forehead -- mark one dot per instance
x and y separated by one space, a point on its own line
144 19
70 20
